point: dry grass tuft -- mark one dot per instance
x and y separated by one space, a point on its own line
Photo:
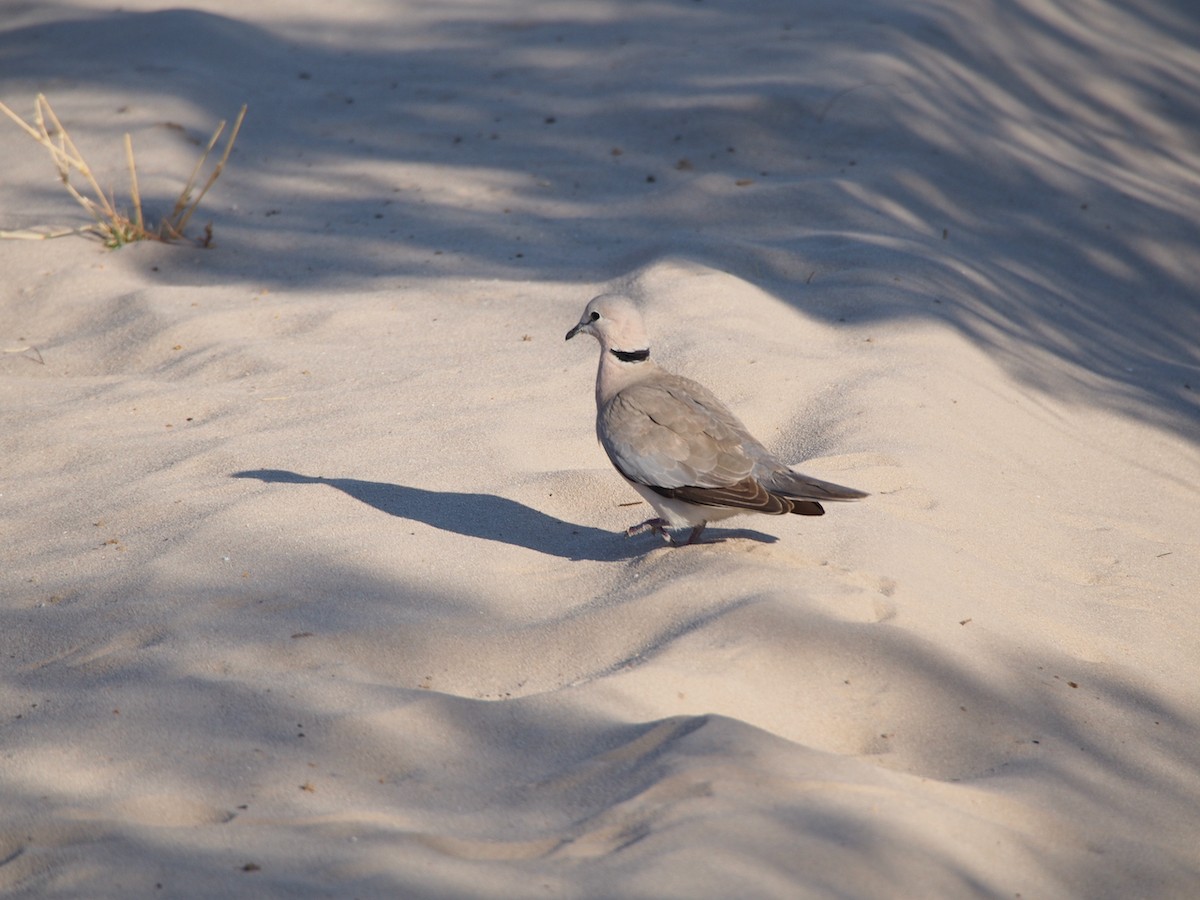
117 228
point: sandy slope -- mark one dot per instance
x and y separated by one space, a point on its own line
313 580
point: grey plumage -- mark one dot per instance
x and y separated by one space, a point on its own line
677 444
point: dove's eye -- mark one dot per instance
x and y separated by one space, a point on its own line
595 316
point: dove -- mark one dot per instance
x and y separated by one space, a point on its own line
679 446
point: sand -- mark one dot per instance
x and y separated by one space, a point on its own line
314 580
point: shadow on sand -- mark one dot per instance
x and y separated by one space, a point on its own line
490 518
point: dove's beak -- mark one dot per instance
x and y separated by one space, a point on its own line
574 331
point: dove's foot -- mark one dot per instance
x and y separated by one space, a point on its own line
659 527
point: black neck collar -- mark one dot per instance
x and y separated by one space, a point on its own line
631 355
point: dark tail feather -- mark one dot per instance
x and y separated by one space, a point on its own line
807 508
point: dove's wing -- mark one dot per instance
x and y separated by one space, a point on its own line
674 436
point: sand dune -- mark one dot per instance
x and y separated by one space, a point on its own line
314 580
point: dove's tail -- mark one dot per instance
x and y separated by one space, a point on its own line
804 491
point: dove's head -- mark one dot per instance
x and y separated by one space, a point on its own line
615 322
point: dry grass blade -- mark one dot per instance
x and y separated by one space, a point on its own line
114 227
42 234
24 351
64 155
184 209
135 195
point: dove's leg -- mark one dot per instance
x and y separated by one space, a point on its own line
695 533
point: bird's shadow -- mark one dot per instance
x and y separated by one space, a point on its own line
488 517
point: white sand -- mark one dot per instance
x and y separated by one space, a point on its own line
313 581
